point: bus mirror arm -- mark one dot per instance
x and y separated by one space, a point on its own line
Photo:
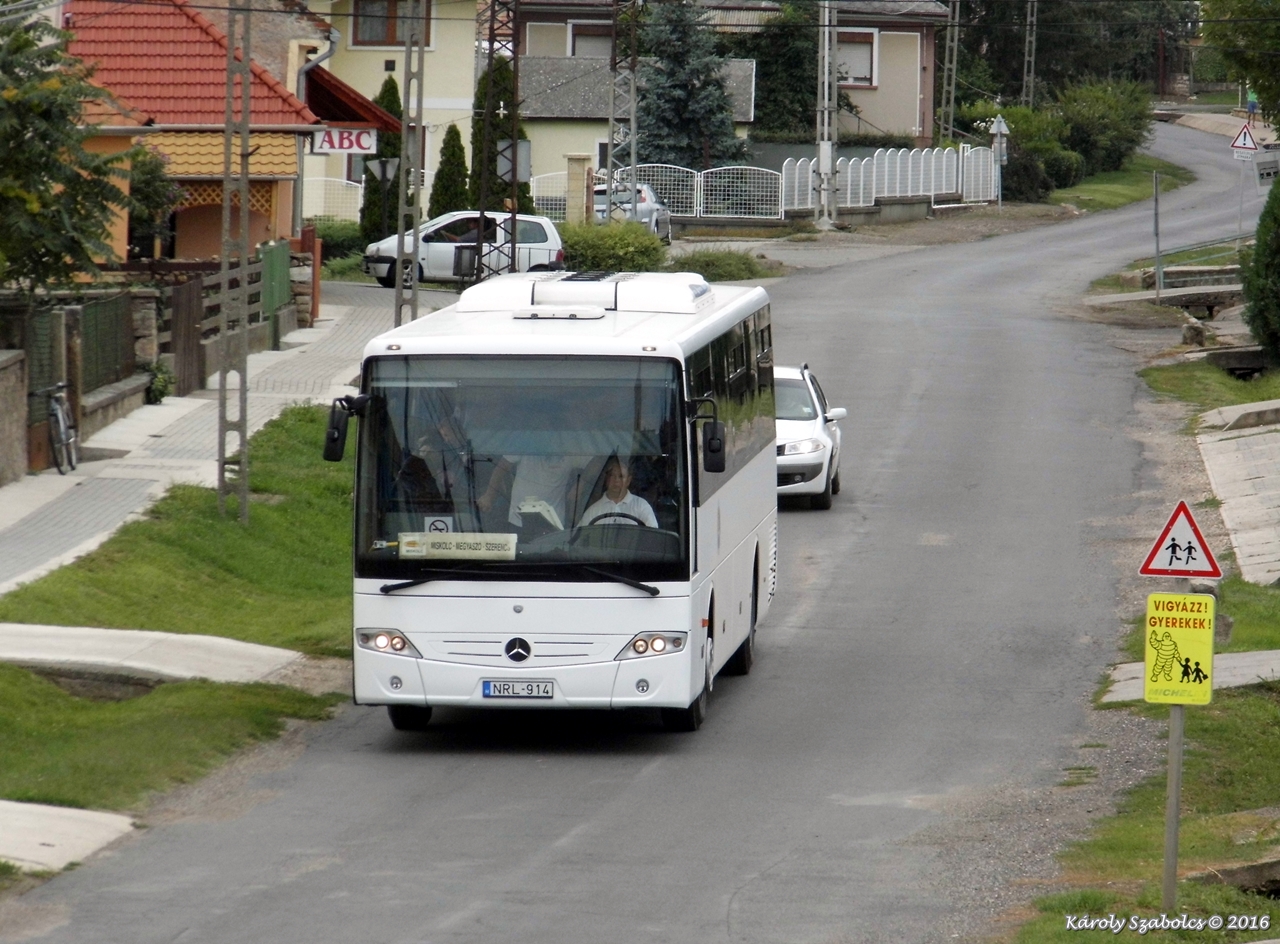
340 413
712 434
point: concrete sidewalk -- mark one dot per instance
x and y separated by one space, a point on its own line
1241 464
1230 670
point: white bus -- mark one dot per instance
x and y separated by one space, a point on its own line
565 497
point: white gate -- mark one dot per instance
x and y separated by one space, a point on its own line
331 197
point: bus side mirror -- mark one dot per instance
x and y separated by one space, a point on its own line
713 446
340 413
335 437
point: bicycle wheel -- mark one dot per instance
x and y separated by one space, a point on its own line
60 438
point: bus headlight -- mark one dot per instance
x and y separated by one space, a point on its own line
652 644
390 641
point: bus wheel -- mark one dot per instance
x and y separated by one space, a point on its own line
409 717
691 718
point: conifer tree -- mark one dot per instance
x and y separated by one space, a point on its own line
500 129
388 99
1261 278
684 115
449 188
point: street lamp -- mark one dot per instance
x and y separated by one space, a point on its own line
1000 149
384 171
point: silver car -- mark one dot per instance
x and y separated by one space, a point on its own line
652 213
808 431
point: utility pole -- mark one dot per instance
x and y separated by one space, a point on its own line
947 126
498 22
827 130
620 164
234 308
1029 58
409 205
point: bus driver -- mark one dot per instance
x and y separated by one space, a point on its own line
617 501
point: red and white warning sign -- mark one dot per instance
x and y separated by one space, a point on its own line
1244 140
1181 550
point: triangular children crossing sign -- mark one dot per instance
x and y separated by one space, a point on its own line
1244 140
1181 550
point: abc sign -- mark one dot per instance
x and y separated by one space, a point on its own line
344 141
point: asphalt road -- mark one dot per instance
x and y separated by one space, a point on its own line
936 632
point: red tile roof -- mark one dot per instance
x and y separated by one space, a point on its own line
168 61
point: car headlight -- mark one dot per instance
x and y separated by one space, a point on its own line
389 641
652 644
803 447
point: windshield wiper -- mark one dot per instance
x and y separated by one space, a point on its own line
444 574
440 573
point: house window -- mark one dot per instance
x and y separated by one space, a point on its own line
381 22
545 39
856 58
591 40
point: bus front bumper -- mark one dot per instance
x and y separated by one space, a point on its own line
655 682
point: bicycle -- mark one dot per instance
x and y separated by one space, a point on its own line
62 432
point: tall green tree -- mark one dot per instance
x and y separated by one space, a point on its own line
785 50
388 99
498 113
57 200
449 189
684 115
1078 41
1247 35
1261 278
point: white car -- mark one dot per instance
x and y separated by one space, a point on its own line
808 437
446 251
652 214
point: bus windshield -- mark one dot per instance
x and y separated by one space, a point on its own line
522 468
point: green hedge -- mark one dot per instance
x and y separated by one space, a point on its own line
617 247
341 237
719 265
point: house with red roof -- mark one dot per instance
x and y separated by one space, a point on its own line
165 65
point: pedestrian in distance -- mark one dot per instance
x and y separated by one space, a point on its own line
1251 106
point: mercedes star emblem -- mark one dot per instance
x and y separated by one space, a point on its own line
517 649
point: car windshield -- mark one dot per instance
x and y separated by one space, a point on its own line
794 400
526 468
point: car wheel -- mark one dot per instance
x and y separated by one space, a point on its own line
409 717
691 718
408 279
822 501
386 281
835 483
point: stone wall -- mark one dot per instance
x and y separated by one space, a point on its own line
146 324
13 416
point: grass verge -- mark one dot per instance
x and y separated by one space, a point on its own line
1210 387
1122 187
725 265
67 751
1231 779
283 580
346 269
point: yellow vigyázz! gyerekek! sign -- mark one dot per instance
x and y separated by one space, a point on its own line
1179 649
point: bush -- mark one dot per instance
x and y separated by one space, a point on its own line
163 381
341 237
1105 123
719 265
618 247
1064 168
1024 178
1260 273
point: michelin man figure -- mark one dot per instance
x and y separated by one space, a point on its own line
1167 656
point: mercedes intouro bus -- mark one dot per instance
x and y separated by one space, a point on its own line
565 496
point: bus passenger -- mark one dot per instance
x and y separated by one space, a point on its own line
617 500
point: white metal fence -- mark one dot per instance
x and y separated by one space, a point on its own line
758 193
332 197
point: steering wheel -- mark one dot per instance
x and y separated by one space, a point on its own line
616 514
